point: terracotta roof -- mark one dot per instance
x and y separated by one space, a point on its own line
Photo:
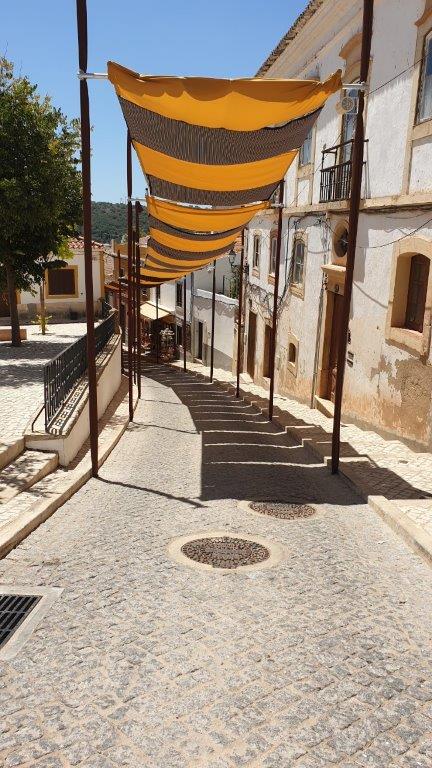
298 25
77 243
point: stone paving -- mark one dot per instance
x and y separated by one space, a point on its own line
380 466
322 660
21 374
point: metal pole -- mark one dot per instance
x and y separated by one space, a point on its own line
239 322
356 182
134 358
213 321
138 209
129 270
120 308
81 7
157 323
184 324
275 300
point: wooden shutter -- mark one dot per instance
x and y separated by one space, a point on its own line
417 289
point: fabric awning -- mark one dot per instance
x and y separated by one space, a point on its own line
181 241
244 104
148 310
222 144
202 219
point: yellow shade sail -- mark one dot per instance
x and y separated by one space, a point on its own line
154 258
202 219
239 105
162 273
184 243
214 177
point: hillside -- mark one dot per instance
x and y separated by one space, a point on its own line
109 220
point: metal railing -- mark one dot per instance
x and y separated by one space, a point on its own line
63 372
336 179
105 308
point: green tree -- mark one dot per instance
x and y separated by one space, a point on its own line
40 185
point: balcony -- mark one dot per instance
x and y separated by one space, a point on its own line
336 179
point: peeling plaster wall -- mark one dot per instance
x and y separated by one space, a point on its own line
388 385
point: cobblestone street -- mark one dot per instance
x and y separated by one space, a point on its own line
322 660
21 374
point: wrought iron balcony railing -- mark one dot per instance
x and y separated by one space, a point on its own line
336 179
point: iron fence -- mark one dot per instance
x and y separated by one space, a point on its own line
63 372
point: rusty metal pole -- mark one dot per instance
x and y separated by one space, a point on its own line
81 7
356 182
239 322
119 308
213 321
130 326
157 289
275 300
134 358
138 209
184 324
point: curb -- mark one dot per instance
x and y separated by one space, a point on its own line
413 535
418 539
64 487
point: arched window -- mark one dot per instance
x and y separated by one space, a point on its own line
410 303
417 289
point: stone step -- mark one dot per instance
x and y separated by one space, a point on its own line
24 471
9 450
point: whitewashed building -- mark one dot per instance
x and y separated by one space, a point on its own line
388 380
64 288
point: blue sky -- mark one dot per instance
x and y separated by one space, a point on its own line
222 38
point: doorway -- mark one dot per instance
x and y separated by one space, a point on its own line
334 345
251 344
199 353
267 345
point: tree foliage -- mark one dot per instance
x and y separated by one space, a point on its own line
40 180
109 221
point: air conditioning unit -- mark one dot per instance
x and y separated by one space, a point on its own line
347 104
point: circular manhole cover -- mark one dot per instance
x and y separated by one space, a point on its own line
225 551
282 509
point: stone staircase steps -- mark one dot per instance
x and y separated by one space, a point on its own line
10 450
24 471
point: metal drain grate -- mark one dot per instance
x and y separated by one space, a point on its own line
225 552
282 510
13 610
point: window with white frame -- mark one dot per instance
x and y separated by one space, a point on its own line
424 108
273 251
305 154
298 261
256 251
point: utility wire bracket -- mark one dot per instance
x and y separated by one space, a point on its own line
92 75
356 87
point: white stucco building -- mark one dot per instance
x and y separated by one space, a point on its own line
199 311
64 288
388 380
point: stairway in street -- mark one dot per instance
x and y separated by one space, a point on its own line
20 470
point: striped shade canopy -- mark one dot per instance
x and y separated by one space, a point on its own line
213 152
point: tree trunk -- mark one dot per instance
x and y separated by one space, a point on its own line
42 307
15 326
